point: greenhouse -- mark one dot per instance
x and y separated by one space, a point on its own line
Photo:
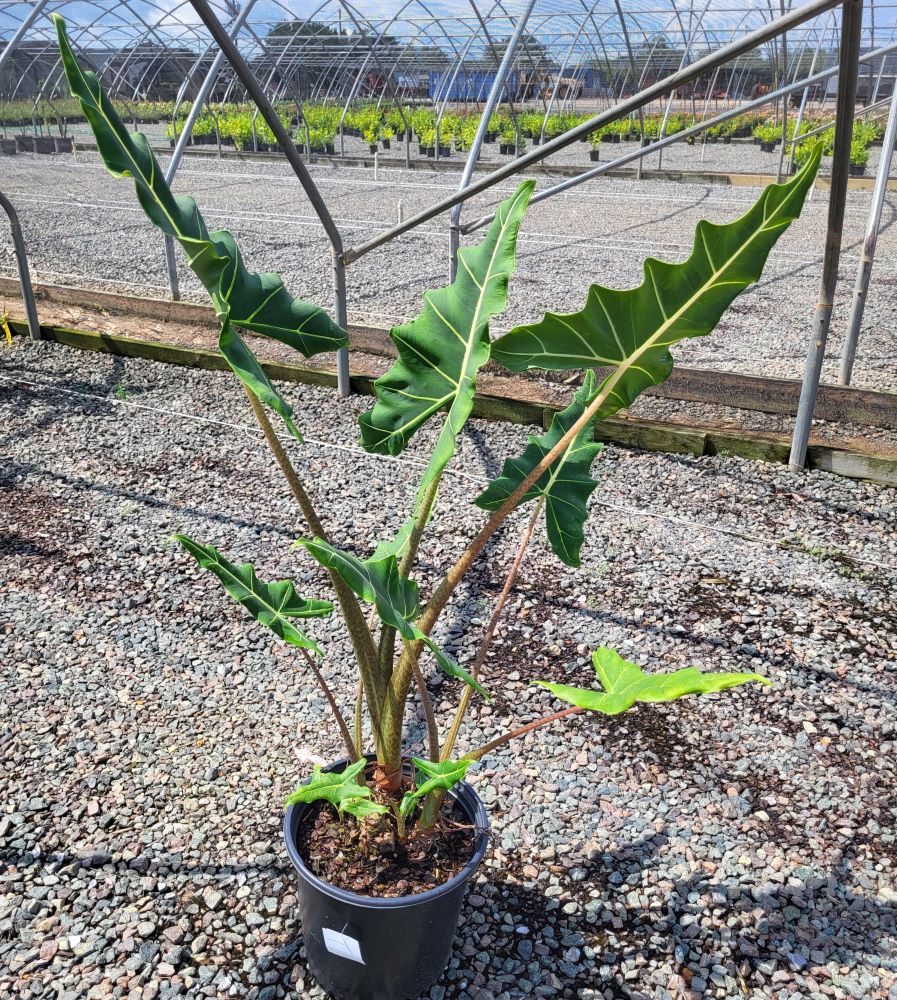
449 533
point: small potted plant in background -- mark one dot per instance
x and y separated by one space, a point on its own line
371 135
767 135
595 140
384 841
859 157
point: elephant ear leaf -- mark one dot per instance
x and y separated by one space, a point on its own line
274 605
340 789
625 683
397 599
433 776
565 486
630 331
441 351
256 302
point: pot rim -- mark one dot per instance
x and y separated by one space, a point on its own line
463 793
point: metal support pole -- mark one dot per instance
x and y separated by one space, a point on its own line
339 299
22 29
848 68
181 144
257 94
864 271
785 102
470 163
18 243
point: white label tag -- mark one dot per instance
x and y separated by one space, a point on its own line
342 945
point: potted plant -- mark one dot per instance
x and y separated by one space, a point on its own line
767 135
379 922
386 136
859 157
427 140
595 140
371 135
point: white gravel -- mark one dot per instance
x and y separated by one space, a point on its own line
736 845
84 228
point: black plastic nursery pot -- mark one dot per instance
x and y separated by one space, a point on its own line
63 144
855 170
44 144
8 147
594 155
25 143
367 948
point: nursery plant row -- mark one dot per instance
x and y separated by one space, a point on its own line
316 126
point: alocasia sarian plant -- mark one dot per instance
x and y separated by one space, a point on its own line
620 338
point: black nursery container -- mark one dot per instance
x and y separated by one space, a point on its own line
367 948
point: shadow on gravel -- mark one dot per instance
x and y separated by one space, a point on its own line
811 926
23 398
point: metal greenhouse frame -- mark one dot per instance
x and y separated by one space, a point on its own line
488 53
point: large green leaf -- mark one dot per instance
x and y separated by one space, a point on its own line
340 789
441 351
626 683
433 776
256 302
565 485
397 599
274 605
631 330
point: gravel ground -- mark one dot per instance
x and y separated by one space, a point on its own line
741 844
83 227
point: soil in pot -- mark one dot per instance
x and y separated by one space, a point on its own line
383 867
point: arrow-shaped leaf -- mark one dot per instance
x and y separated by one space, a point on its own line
274 605
631 330
256 302
397 599
441 351
625 683
565 485
433 776
340 789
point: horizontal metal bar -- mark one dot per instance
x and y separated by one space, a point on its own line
621 110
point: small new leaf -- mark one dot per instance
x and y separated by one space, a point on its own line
274 605
433 776
340 789
565 485
377 581
625 683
